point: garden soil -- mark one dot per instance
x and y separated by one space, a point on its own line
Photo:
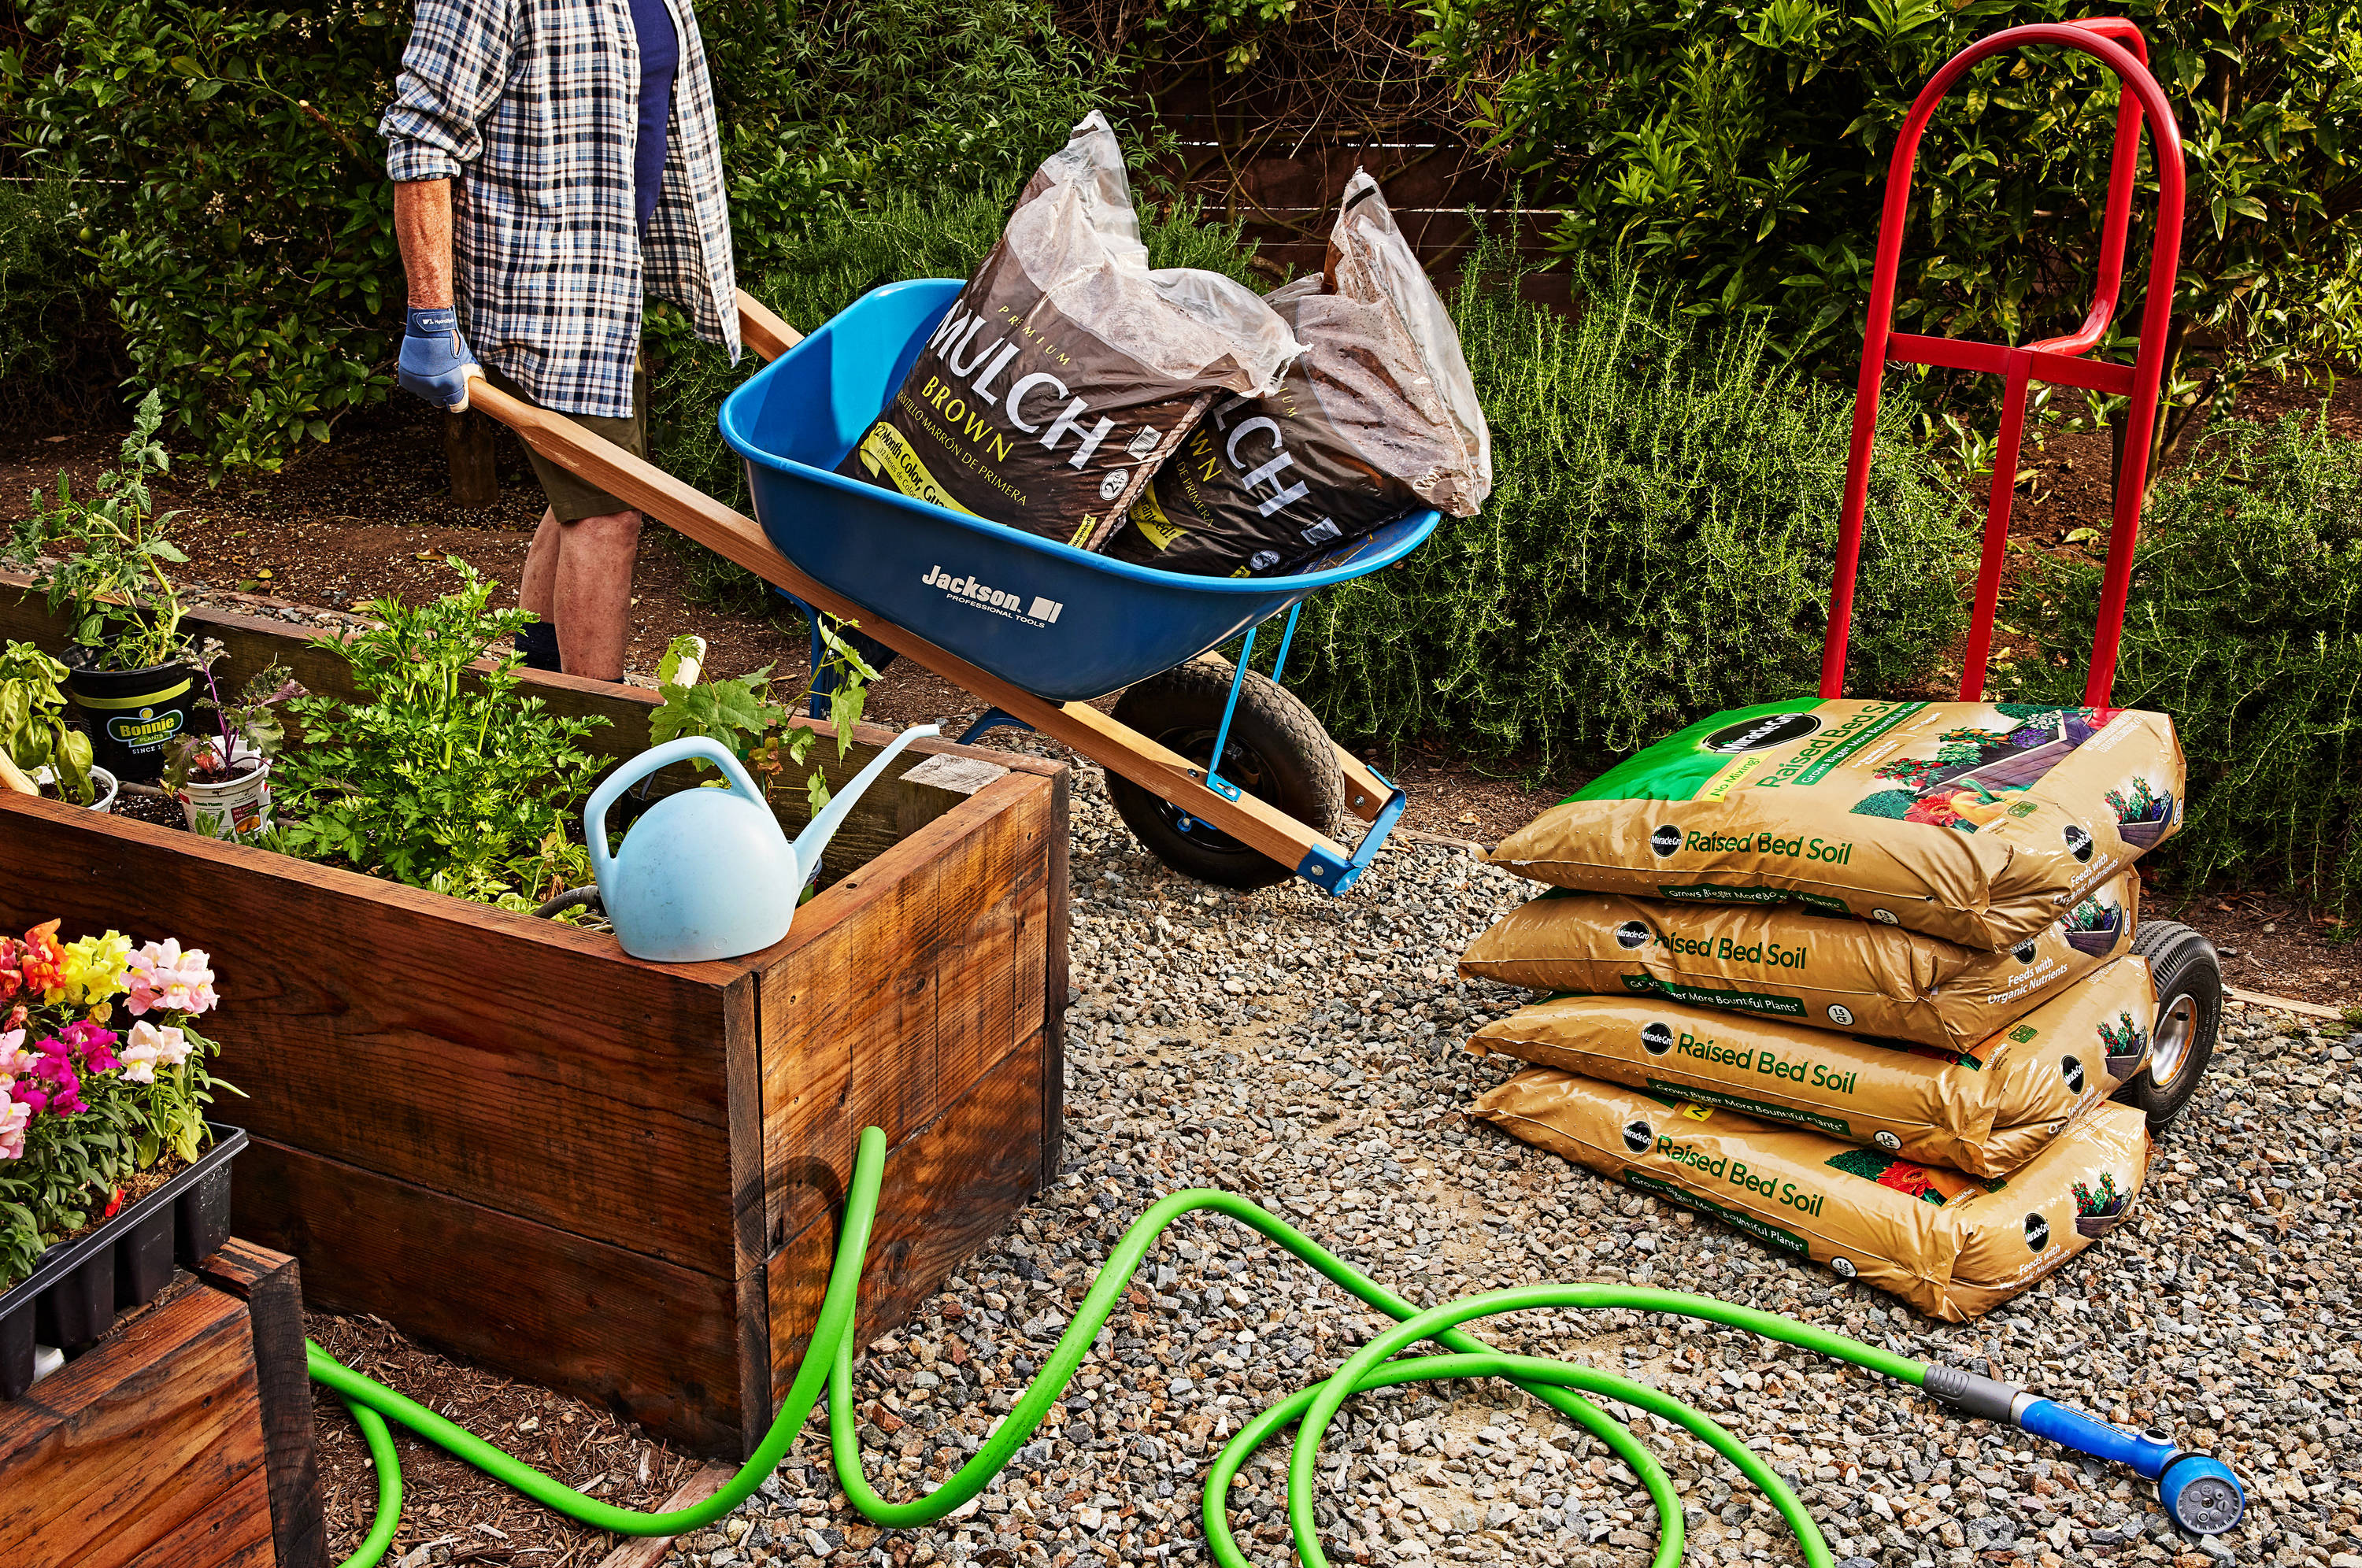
1954 1246
1978 823
1067 371
1379 417
1783 964
1986 1110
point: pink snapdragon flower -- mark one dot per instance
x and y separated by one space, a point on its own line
152 1047
14 1057
92 1047
164 978
15 1118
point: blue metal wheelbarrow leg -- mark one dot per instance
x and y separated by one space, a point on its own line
1252 822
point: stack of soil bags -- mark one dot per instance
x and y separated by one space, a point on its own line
1855 978
1173 418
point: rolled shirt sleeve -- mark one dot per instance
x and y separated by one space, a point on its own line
453 71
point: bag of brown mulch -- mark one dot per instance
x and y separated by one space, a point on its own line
1986 1111
1824 971
1952 1245
1979 822
1379 417
1067 370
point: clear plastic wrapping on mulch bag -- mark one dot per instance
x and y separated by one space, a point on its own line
1378 418
1986 1111
1067 370
1954 1246
1784 963
1979 822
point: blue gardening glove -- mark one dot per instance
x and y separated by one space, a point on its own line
434 358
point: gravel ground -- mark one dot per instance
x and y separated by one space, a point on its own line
1307 1051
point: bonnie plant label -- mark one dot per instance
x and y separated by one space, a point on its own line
1782 963
1980 822
1953 1245
1067 371
1984 1110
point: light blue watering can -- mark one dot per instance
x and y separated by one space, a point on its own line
707 873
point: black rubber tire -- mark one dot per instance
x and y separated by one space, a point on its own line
1276 752
2189 980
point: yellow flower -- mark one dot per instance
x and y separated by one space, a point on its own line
96 968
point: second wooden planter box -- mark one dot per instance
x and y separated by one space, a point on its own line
614 1178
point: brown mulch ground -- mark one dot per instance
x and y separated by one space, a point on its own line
447 1501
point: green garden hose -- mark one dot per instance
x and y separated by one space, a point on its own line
831 1357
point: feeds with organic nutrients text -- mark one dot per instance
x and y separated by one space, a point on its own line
1067 370
1980 822
1377 419
1954 1246
1984 1110
1778 963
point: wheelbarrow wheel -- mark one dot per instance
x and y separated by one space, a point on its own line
2189 980
1277 751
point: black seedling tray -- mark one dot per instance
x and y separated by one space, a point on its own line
74 1292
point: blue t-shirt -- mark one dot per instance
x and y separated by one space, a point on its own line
660 59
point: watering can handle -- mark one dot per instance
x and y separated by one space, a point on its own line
655 760
821 828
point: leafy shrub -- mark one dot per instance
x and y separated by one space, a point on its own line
48 309
243 224
1657 544
823 106
2245 624
1744 145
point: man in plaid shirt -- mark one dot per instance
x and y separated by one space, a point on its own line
556 162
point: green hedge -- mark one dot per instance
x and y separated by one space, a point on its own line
2245 624
1657 546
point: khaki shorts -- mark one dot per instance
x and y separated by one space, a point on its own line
572 497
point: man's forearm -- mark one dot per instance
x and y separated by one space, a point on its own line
422 225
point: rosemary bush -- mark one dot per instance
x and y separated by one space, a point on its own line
1657 544
2245 624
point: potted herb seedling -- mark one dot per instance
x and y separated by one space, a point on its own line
101 557
222 779
40 754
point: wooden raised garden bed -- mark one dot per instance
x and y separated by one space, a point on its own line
184 1438
613 1177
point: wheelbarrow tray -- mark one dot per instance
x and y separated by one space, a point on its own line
1059 622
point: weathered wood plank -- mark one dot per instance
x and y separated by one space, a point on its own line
742 1033
270 1284
234 1531
949 1187
650 1340
132 1445
466 1049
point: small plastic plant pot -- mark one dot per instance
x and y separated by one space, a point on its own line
236 808
102 785
133 713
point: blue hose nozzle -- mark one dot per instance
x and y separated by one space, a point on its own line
2200 1493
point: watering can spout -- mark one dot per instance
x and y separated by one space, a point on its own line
824 826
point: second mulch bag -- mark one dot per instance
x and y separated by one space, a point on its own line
1952 1245
1986 1111
1826 971
1067 370
1378 418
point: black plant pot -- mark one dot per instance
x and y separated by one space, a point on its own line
74 1292
133 714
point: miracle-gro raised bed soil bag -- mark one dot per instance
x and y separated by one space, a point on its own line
1986 1111
1954 1246
1781 963
1979 822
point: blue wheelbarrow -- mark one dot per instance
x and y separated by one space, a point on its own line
1222 772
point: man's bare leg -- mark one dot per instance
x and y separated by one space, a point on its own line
593 593
538 591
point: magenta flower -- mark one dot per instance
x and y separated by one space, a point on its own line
94 1047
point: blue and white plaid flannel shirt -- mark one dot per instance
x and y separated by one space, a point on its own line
530 107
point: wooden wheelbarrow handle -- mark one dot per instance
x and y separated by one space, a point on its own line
739 538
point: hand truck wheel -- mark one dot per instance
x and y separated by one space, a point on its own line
2189 980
